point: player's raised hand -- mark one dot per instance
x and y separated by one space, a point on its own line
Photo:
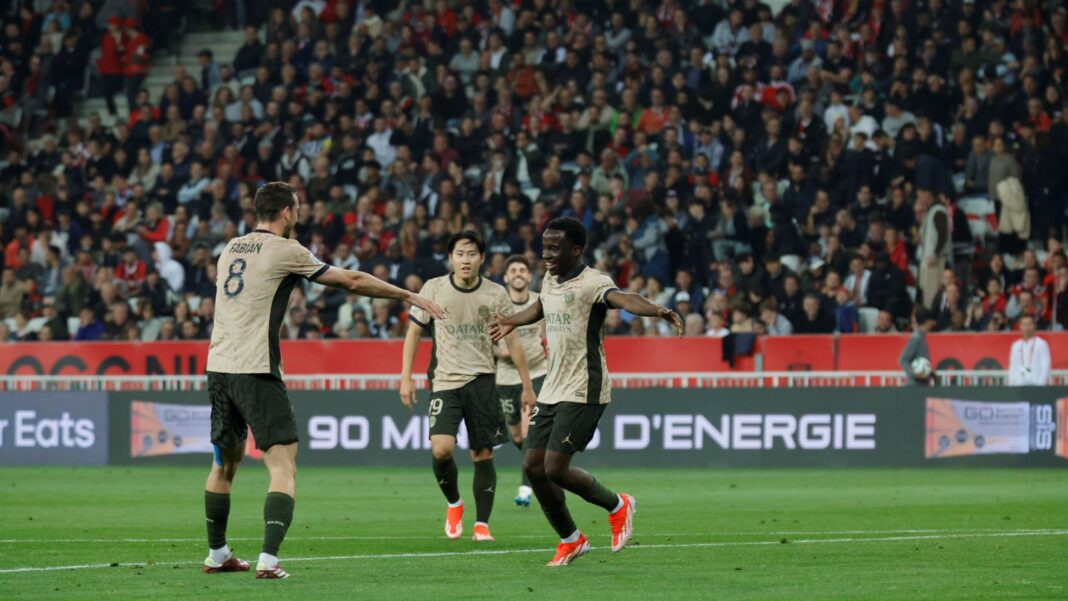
407 392
427 305
499 327
673 317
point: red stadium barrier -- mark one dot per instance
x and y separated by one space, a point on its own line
854 353
625 355
949 351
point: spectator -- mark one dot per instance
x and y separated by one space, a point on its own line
884 323
777 324
846 316
933 243
11 294
136 60
90 328
110 63
1029 358
814 319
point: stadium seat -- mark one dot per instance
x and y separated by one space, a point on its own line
791 262
868 317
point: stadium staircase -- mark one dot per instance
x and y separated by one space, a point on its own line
224 44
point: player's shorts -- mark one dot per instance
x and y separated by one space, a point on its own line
512 400
563 427
241 401
477 405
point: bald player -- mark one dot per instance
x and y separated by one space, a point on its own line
257 273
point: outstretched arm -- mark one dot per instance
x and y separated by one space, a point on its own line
637 304
366 284
502 325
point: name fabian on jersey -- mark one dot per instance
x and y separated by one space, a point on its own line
557 322
245 248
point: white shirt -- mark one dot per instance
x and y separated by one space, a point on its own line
1029 363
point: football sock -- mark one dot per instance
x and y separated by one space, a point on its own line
525 481
484 487
268 560
601 496
560 519
570 539
618 505
221 554
217 512
277 515
447 474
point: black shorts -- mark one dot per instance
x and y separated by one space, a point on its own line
474 403
563 427
512 400
241 401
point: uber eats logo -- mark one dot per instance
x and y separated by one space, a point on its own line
28 430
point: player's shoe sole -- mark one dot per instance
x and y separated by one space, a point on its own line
275 573
454 521
566 553
230 565
622 522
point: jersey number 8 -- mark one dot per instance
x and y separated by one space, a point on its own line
236 273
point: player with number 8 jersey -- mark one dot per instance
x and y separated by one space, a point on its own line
257 273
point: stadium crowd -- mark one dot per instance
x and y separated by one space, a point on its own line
813 169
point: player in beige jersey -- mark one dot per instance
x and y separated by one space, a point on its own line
257 272
517 277
574 301
462 386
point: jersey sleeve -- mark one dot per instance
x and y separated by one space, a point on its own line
503 304
600 286
302 262
418 315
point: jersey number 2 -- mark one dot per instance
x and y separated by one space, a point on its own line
235 281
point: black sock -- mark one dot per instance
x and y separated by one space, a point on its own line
524 479
485 486
217 512
277 515
560 519
447 474
601 496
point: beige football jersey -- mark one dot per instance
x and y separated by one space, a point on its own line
463 349
257 272
530 338
574 326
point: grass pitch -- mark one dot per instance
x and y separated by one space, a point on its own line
936 534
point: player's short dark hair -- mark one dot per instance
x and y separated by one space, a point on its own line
1028 316
525 262
272 198
470 236
923 315
572 228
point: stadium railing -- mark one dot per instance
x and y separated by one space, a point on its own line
782 379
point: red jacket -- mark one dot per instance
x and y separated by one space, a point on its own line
157 233
110 61
137 61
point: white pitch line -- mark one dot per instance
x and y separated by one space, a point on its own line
431 555
15 541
